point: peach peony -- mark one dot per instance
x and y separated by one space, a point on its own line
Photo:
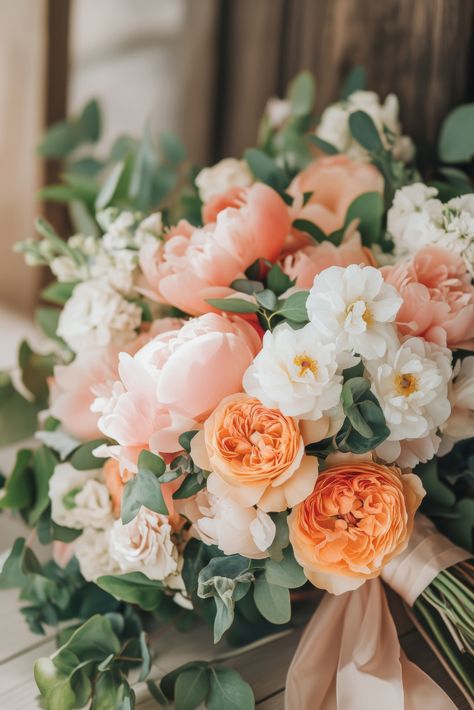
438 297
309 261
334 181
231 198
358 517
193 265
256 455
172 383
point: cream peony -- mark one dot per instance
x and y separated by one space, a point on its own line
97 315
93 554
334 125
295 372
460 424
223 176
411 385
235 529
145 545
354 308
79 498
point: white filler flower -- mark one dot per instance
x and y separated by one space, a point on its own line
92 552
221 177
78 498
145 545
295 372
354 308
97 315
411 385
460 424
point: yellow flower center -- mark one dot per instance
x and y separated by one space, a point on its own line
305 363
367 315
406 384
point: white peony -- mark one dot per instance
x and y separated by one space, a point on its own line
417 218
334 125
233 528
295 372
460 424
78 498
411 385
145 545
221 177
92 552
354 308
97 315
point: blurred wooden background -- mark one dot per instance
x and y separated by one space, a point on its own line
205 69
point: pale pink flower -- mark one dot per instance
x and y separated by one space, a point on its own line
438 297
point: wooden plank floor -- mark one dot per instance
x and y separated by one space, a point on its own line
264 667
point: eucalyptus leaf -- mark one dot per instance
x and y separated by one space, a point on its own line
144 489
83 458
273 601
301 94
191 688
285 573
355 81
364 130
456 140
368 208
294 307
323 145
228 690
134 588
233 305
266 170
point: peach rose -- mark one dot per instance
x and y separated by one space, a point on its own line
192 265
256 455
358 517
438 297
172 383
74 387
309 261
335 182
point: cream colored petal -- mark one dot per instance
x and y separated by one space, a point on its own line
314 431
244 496
199 451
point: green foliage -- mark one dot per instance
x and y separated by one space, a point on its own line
323 145
293 308
18 416
233 305
84 460
456 140
35 370
355 81
368 208
365 131
302 93
64 137
58 292
266 169
142 489
364 426
310 228
26 490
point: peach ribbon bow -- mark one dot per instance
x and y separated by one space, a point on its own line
349 657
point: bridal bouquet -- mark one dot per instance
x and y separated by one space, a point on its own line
254 376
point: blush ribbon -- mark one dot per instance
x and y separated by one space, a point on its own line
349 657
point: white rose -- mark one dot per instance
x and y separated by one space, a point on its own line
233 528
295 372
221 177
97 315
145 545
460 424
78 498
411 385
92 552
353 308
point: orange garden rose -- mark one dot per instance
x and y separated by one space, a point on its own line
256 455
358 517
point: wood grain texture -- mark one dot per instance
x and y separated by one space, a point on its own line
421 50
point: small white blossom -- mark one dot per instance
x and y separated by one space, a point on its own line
460 424
92 552
221 177
79 499
411 385
334 125
295 372
145 545
278 111
354 308
97 315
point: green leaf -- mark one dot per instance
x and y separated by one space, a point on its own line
172 149
456 140
355 81
247 286
134 588
44 463
35 371
323 145
60 139
363 129
116 185
233 305
368 208
354 390
304 225
146 658
58 292
272 601
151 463
168 682
277 281
48 319
84 460
228 690
19 490
12 575
301 94
282 536
191 485
367 414
143 489
286 573
266 170
437 491
266 299
186 438
191 688
18 416
90 121
156 693
294 307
